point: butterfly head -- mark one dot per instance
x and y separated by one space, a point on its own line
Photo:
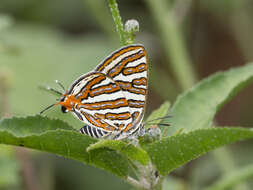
67 103
63 107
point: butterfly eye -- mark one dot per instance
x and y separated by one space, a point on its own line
64 109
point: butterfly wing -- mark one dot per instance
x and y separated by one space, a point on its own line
128 67
100 102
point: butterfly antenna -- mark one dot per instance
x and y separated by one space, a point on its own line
162 124
60 84
47 108
167 116
48 88
53 90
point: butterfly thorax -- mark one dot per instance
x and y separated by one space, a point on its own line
68 102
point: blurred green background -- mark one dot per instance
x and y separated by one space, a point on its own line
41 41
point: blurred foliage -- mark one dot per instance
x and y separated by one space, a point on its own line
5 22
41 41
9 167
173 183
44 56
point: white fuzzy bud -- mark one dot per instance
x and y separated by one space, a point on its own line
132 26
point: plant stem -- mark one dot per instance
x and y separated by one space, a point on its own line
117 20
30 178
173 43
134 183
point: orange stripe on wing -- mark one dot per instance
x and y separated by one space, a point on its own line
106 89
129 87
86 89
116 55
71 100
136 103
114 116
112 104
138 69
135 115
128 127
140 81
97 122
120 66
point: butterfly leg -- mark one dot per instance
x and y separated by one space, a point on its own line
141 131
132 140
154 132
93 132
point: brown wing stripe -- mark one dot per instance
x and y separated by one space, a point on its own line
87 88
128 127
114 116
106 89
135 115
140 81
138 69
136 103
96 122
120 66
113 104
127 86
116 55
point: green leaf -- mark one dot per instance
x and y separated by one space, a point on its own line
174 151
159 113
197 107
23 126
56 136
129 150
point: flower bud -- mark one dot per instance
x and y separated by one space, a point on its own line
132 26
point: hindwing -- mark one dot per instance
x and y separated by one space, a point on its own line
128 67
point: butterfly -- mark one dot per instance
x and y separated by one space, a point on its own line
111 99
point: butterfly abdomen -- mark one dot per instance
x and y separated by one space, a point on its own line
93 132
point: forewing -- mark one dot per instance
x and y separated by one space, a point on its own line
100 102
128 67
